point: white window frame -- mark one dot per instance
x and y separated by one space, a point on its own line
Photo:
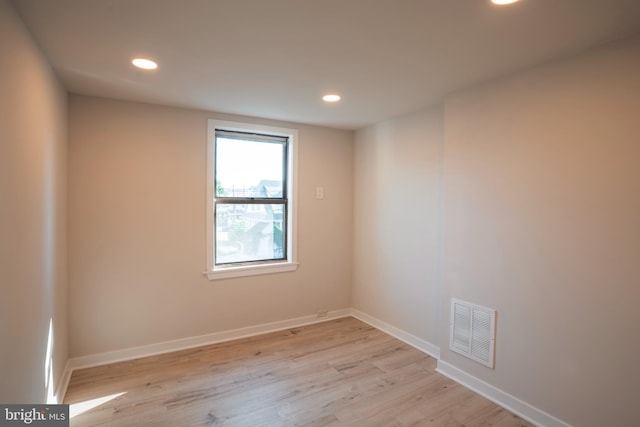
215 272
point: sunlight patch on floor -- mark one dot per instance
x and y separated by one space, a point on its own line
76 409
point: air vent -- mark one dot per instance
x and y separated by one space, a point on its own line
473 331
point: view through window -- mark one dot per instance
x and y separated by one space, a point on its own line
250 203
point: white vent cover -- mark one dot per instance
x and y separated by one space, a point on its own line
473 331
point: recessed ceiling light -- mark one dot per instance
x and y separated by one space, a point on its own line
331 98
503 2
145 64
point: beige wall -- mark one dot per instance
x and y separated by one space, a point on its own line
397 222
137 177
540 221
32 217
542 208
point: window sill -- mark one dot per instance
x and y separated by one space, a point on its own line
250 270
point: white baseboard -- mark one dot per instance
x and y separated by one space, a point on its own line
191 342
422 345
507 401
63 383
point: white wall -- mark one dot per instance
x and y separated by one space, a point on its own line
32 217
137 208
397 222
542 214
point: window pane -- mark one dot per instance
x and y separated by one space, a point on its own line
248 168
249 232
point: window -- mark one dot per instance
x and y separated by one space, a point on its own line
251 200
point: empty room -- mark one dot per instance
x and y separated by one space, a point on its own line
320 213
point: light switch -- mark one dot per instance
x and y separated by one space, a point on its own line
319 193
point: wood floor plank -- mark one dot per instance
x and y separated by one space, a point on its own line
337 373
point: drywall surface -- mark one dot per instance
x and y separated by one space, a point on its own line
397 218
33 146
542 203
137 221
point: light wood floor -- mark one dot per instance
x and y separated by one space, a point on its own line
337 373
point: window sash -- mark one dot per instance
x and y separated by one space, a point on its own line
226 200
255 137
285 235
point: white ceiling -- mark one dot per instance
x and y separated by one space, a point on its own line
275 58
